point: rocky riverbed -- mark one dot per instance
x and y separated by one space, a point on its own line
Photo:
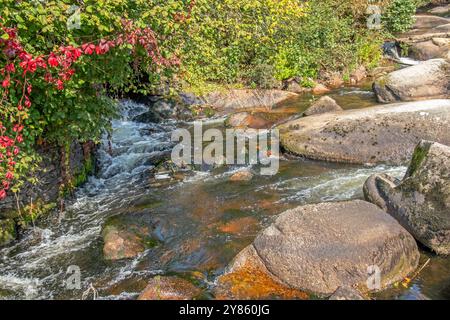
359 205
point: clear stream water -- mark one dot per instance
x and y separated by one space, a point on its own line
201 222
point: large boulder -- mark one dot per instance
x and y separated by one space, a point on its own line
382 134
320 248
421 201
323 105
426 80
246 99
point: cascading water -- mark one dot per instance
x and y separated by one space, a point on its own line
186 217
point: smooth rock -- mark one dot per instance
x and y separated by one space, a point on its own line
421 201
323 105
428 50
169 288
426 80
382 134
429 21
440 9
319 248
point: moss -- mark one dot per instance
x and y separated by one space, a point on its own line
7 231
32 212
420 153
151 243
79 178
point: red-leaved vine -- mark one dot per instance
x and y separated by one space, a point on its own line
58 68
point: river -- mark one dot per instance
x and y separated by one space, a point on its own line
200 222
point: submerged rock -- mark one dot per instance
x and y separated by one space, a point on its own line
125 240
383 134
169 288
323 105
239 226
7 231
429 79
421 201
319 248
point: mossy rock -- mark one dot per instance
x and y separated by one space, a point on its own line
421 201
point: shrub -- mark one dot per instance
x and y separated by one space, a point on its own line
399 15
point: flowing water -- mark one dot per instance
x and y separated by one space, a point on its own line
200 222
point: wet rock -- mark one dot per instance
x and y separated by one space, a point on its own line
347 293
323 105
126 237
429 79
421 201
160 109
320 89
383 134
319 248
242 176
169 288
246 98
7 231
249 120
48 173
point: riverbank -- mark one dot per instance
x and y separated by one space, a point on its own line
139 220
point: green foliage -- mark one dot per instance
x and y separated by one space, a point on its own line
81 111
257 42
398 16
254 43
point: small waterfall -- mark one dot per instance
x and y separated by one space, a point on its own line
391 50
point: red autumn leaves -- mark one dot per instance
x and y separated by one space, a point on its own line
57 69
